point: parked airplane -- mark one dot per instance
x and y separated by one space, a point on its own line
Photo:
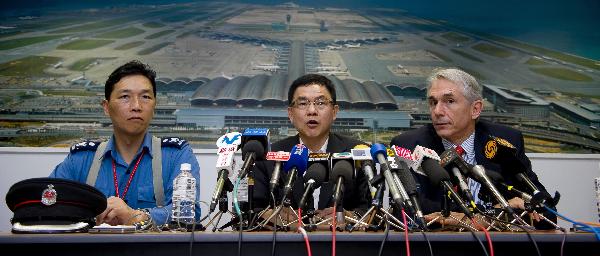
57 65
328 68
352 45
333 47
266 67
334 73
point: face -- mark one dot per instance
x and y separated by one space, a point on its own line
312 123
131 105
452 114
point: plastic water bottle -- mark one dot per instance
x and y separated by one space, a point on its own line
184 196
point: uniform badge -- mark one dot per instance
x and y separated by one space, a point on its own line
490 149
49 195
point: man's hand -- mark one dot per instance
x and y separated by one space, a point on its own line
518 203
118 213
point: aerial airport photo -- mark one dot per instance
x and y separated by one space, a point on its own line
226 66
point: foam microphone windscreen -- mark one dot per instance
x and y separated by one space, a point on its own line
317 173
253 146
434 171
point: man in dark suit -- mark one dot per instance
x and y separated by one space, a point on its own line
455 103
312 110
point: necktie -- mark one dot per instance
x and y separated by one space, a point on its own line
460 150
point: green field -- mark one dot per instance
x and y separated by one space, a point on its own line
69 93
92 26
179 17
431 40
153 24
535 61
562 74
121 33
466 55
492 50
441 56
84 44
159 34
456 37
20 42
153 48
549 53
85 64
473 73
129 45
31 66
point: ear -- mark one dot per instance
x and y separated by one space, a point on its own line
105 107
336 109
476 108
290 116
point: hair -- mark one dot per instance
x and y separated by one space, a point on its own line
310 79
471 88
133 67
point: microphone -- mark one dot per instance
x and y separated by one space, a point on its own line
255 143
419 154
404 157
439 177
296 165
314 177
320 158
379 154
503 153
362 158
453 162
225 164
342 174
478 173
278 157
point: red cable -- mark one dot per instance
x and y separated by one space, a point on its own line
406 233
333 234
487 235
303 232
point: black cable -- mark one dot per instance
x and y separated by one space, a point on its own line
562 244
240 237
385 236
274 229
480 242
428 243
537 249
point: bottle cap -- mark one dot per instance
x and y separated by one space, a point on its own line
186 167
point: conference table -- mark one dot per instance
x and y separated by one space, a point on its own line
291 243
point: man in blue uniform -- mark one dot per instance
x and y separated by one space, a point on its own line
133 169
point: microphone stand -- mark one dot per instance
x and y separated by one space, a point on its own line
446 211
223 207
377 211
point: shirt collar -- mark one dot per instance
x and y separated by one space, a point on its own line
323 148
468 145
111 146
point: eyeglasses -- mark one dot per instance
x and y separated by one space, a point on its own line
319 104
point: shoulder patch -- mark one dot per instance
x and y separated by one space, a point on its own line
173 142
86 145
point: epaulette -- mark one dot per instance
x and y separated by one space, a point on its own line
86 145
174 142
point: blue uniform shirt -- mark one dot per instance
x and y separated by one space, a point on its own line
141 191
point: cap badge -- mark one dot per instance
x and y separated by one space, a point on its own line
49 195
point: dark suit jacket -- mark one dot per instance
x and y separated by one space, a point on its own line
427 137
357 196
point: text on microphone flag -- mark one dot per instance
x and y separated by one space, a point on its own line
278 156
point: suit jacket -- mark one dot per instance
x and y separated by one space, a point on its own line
357 196
427 137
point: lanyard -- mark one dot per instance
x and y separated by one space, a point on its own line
130 176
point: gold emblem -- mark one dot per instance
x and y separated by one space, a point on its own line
503 142
490 149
